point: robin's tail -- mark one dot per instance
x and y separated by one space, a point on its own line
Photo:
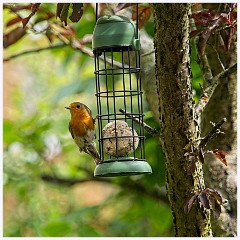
93 152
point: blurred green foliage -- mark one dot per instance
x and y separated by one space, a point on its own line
197 78
36 142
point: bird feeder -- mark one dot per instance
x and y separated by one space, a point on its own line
116 48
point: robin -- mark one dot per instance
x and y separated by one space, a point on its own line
82 129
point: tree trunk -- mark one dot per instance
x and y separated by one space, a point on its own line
223 104
178 127
218 176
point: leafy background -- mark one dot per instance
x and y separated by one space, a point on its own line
49 188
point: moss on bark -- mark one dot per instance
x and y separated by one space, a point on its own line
178 126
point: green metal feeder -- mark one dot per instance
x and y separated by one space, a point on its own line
122 168
115 31
116 48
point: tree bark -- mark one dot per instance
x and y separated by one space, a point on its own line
223 104
218 176
178 127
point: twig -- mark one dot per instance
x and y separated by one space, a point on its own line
62 181
80 47
210 82
212 133
89 52
218 57
208 92
206 69
222 74
34 51
147 53
148 128
215 130
131 185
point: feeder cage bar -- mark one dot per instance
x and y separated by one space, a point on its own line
121 139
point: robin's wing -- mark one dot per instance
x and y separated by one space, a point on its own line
89 112
88 109
93 152
70 130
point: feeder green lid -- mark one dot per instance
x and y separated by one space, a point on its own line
114 31
113 18
122 168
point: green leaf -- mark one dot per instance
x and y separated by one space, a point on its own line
56 229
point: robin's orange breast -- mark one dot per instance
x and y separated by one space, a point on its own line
81 122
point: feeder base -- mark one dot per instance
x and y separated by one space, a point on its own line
122 168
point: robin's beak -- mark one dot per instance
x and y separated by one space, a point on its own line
67 107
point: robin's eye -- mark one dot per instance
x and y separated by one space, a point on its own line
78 106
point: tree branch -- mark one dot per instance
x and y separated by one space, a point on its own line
89 52
215 130
203 60
156 193
69 181
73 45
34 51
210 82
148 53
208 92
148 128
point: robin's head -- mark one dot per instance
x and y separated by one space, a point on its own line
77 107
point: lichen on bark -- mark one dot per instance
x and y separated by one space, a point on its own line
176 116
